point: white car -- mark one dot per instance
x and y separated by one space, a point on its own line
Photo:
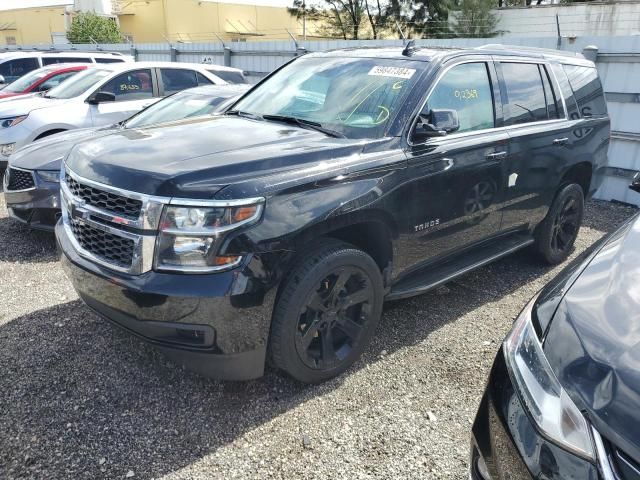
100 95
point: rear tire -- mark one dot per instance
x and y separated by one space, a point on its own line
557 233
327 312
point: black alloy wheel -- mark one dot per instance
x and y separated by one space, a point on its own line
565 226
334 318
327 310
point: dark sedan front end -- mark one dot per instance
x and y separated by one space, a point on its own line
563 395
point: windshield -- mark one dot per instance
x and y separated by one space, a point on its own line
78 84
176 107
26 81
356 97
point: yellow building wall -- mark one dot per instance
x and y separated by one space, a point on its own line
200 21
31 25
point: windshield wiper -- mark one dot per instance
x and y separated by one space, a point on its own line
302 123
240 113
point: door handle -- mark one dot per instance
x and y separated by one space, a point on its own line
496 155
561 141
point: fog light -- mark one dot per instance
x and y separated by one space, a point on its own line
7 149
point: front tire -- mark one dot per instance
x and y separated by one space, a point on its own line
558 231
327 312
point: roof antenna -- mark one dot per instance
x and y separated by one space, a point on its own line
409 48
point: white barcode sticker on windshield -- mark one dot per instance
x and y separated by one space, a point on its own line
397 72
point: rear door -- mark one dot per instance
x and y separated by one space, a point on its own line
540 140
133 91
456 178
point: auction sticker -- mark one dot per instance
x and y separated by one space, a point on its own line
397 72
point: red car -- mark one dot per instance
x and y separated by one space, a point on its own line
41 80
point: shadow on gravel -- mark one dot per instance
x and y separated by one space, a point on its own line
20 243
81 399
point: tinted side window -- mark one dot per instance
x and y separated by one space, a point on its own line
229 76
524 100
466 89
567 93
54 81
135 85
52 60
109 60
554 107
202 80
587 90
14 69
176 79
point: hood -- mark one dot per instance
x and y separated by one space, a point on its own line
47 153
195 158
23 104
593 342
10 94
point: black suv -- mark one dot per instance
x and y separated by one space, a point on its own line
343 179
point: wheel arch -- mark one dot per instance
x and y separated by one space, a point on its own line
49 132
580 173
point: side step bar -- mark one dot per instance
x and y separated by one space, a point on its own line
445 270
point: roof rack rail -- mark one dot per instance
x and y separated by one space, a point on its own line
541 51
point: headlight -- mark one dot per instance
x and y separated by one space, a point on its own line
49 175
7 149
555 414
190 237
12 121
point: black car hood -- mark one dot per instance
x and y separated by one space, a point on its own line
47 153
197 158
593 342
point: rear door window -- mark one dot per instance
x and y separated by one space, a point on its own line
13 69
133 85
587 90
53 60
565 88
466 89
524 99
178 79
54 81
108 60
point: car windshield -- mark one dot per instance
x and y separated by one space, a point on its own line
356 97
176 107
26 81
78 84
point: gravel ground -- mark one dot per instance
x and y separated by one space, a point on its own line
81 399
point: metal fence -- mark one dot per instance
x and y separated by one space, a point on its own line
618 61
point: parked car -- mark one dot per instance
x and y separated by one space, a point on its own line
101 95
41 80
14 65
563 395
342 179
31 183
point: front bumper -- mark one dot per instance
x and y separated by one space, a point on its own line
38 207
215 324
509 443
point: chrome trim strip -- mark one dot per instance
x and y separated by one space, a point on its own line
213 269
603 458
186 202
5 180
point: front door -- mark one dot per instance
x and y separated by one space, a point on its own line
456 179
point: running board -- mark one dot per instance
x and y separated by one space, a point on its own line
445 270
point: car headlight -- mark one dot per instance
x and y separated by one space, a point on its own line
190 237
548 404
12 121
49 175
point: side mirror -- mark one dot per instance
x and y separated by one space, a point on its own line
635 183
2 80
437 123
101 97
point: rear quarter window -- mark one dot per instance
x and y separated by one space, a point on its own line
229 76
587 90
565 89
108 60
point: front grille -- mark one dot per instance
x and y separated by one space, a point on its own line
108 247
19 179
119 205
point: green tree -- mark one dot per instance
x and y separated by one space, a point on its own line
91 28
422 19
474 18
